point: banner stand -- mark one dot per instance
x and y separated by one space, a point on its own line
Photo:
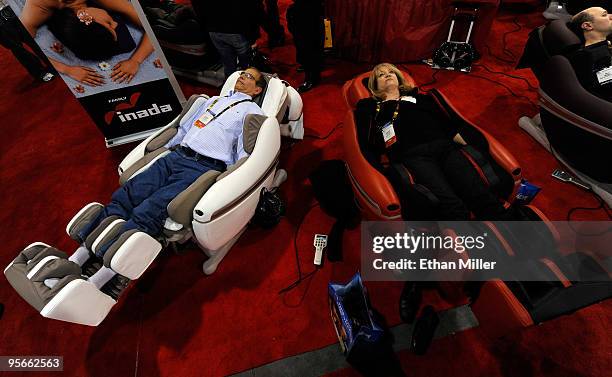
121 78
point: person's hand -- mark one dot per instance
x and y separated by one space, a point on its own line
85 75
125 71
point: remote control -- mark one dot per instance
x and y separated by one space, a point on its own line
566 177
320 241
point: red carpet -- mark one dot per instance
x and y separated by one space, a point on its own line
175 321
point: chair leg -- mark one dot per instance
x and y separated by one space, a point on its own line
533 126
216 256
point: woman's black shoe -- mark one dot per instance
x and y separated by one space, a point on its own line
410 302
424 330
306 86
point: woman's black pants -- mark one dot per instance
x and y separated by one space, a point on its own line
447 173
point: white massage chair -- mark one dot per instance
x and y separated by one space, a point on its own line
214 211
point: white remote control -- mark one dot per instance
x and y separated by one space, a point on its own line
320 241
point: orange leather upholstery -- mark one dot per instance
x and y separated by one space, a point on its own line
498 310
374 194
499 153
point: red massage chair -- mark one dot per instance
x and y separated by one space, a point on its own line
375 192
551 283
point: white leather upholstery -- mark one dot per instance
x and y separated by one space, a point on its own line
219 218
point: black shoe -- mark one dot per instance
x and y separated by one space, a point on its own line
424 330
116 286
91 265
306 86
276 41
46 77
410 302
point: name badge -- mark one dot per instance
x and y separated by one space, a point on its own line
388 133
604 76
202 121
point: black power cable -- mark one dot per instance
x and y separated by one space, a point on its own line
506 87
430 82
602 205
297 256
505 49
531 87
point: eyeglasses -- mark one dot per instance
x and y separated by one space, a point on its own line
247 75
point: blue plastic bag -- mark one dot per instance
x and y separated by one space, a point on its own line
352 316
526 192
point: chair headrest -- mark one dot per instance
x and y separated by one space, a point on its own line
357 88
270 99
258 99
250 130
558 38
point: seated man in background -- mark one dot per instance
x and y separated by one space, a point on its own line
593 62
211 139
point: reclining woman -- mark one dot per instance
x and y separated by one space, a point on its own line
410 129
91 33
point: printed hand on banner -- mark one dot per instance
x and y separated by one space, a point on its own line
125 71
85 75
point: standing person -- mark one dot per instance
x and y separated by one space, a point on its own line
233 26
305 22
271 24
13 35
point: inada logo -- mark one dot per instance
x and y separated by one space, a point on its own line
153 110
126 116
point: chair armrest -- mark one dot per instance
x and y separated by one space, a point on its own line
567 98
247 177
371 188
498 152
180 209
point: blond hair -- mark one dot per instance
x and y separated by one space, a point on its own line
373 84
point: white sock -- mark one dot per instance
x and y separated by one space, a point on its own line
80 256
102 276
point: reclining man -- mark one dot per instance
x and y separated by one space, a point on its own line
593 62
211 139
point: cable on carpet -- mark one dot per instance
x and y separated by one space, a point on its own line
531 87
507 88
300 278
505 49
602 205
430 82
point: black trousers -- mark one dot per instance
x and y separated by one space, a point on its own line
446 172
13 35
271 21
305 22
